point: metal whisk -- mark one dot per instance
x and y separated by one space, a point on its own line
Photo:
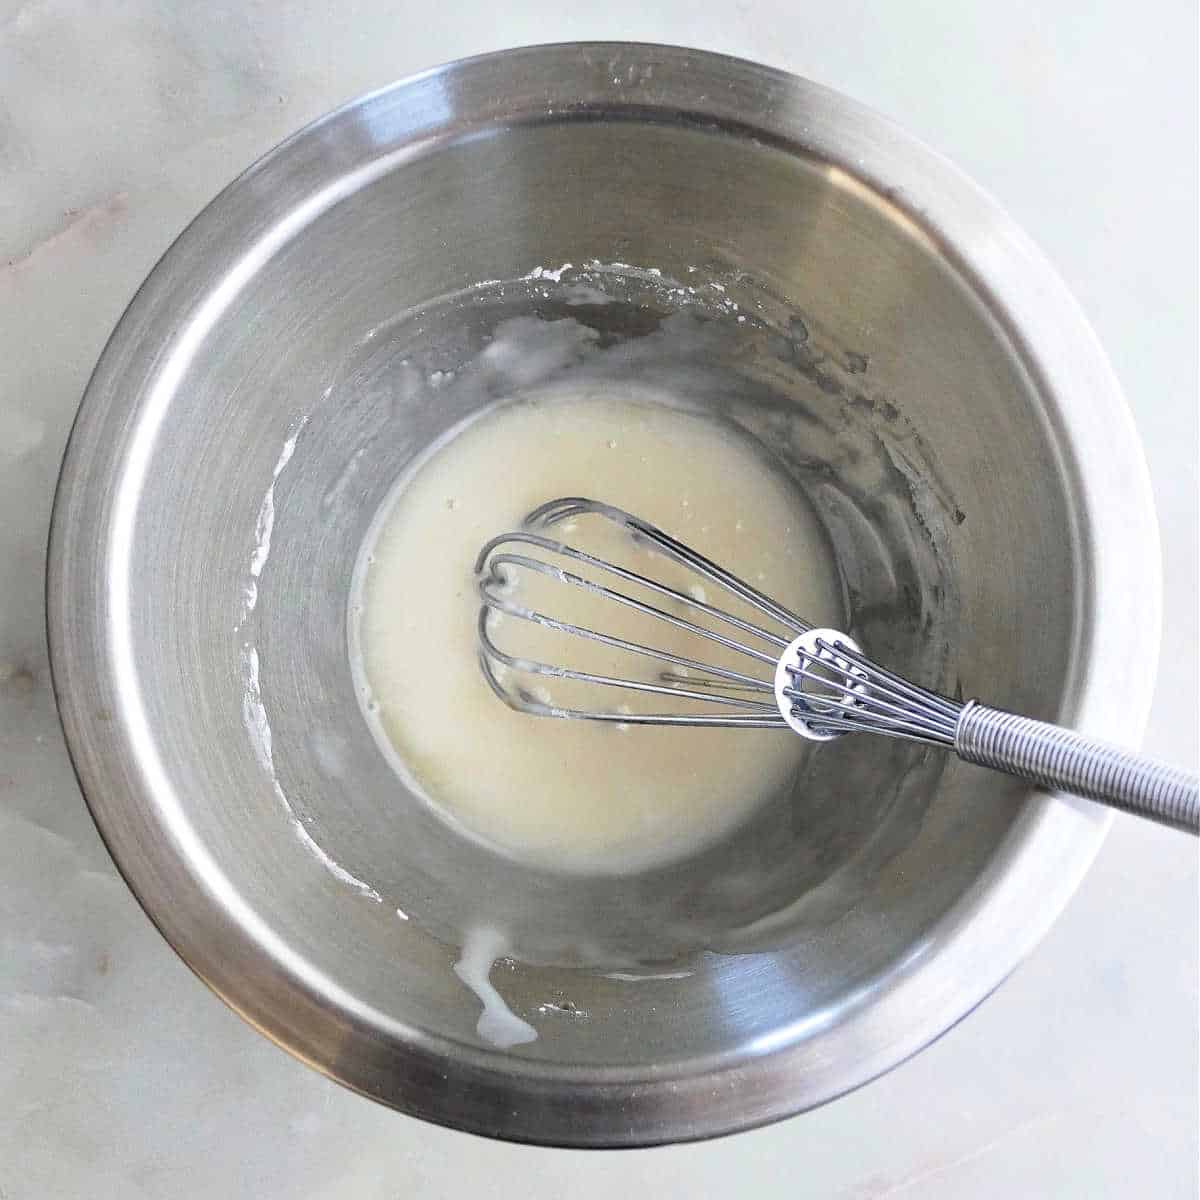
817 682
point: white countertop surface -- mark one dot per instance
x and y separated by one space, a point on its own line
120 1074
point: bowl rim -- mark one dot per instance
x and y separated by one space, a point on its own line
1053 840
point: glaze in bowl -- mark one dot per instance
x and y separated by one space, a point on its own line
761 250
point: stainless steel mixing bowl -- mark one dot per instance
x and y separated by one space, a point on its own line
781 258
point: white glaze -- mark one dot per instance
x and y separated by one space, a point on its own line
498 1024
575 795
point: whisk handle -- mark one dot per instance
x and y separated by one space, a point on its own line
1062 760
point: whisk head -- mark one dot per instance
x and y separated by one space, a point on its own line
739 659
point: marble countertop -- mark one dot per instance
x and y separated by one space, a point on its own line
120 1074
